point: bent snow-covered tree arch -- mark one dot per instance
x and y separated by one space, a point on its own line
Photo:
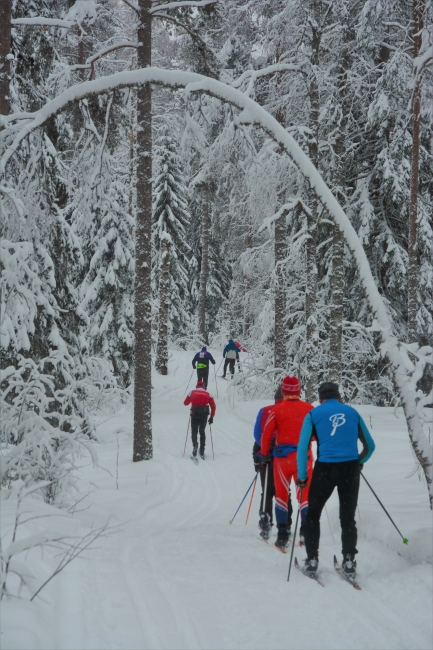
408 361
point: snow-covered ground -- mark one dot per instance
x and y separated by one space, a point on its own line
176 575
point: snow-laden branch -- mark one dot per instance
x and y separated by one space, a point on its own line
43 22
253 113
290 205
423 61
272 69
186 3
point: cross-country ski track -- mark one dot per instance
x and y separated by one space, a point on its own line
176 575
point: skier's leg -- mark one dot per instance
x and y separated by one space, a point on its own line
321 488
206 376
226 363
348 488
270 493
282 485
232 366
304 505
202 427
194 432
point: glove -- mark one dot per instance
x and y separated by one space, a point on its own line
210 420
256 466
266 460
302 482
361 466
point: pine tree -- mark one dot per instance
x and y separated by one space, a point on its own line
171 250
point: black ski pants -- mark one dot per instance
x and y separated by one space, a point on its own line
231 364
198 425
203 373
270 494
345 477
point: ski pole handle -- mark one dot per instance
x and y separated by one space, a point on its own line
245 496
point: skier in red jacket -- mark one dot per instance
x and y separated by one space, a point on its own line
285 421
200 400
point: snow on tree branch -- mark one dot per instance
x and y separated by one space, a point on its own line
187 3
43 22
255 74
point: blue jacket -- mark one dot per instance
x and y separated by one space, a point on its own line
203 357
231 346
337 428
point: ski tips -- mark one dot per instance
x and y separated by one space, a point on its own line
405 540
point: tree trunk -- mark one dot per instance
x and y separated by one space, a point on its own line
280 358
412 278
5 48
337 281
164 306
204 271
311 269
247 311
142 300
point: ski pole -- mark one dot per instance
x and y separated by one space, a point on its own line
405 540
187 431
251 503
219 366
265 491
216 383
211 439
189 381
245 496
294 537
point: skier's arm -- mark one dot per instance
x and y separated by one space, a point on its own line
194 361
187 400
258 428
268 433
366 441
212 407
303 446
211 359
225 351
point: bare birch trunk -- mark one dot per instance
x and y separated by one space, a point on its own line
413 270
142 301
311 245
280 357
164 306
5 48
204 271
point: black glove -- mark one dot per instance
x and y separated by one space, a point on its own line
302 482
256 466
210 420
265 460
361 466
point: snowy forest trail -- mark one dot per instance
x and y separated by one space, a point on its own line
176 575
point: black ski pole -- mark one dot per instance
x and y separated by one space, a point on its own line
294 537
245 496
216 383
405 540
187 431
189 380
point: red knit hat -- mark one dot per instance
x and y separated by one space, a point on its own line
291 385
200 383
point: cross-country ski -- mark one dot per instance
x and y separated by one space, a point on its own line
197 190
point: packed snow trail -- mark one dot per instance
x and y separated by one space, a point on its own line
178 576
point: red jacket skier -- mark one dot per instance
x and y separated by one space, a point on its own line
200 400
285 421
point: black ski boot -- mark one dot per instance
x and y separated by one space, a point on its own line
201 454
310 566
194 452
282 540
265 525
349 565
301 537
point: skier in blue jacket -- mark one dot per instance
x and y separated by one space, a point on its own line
337 428
231 354
202 360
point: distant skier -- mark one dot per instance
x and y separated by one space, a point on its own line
285 421
231 354
265 510
202 359
200 400
337 428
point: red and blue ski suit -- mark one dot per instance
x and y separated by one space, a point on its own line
285 422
